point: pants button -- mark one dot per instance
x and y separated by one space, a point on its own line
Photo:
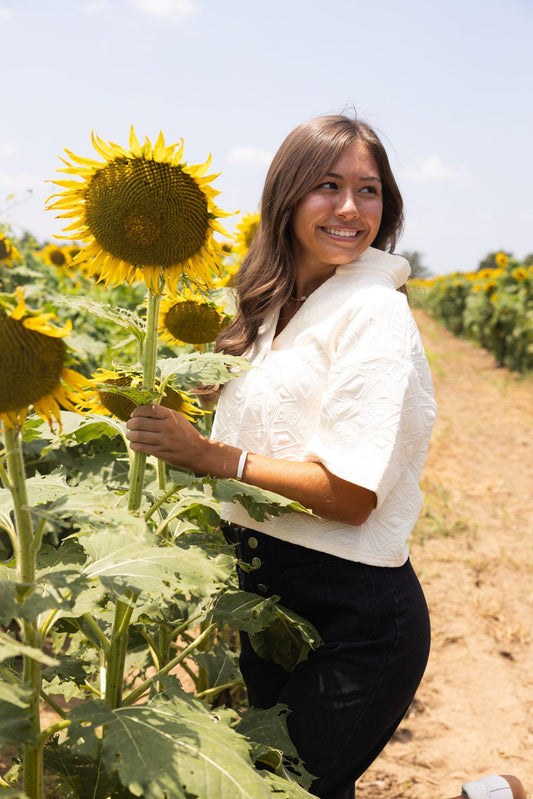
262 588
256 562
253 543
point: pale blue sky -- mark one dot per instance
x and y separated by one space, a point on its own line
447 84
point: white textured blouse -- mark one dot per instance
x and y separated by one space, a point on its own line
346 383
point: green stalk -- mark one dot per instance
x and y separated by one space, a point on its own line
217 689
116 659
141 689
17 485
25 560
162 475
149 372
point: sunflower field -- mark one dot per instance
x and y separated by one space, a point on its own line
119 606
493 307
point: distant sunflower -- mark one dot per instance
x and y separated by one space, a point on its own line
32 367
501 259
483 274
56 256
520 274
141 214
190 319
72 250
107 402
229 270
8 252
246 230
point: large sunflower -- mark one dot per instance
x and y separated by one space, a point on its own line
32 367
8 252
142 213
104 401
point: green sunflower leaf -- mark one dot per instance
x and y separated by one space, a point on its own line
271 745
170 747
208 368
124 318
123 565
12 690
247 611
67 669
8 596
15 726
86 774
10 647
258 502
220 665
276 633
282 788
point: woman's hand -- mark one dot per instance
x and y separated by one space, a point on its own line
166 434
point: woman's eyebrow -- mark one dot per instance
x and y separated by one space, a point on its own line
365 177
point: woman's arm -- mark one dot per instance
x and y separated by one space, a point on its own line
164 433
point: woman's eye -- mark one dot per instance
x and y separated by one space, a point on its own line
328 184
369 190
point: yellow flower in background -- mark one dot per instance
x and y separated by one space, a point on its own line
56 256
229 270
520 273
246 230
501 260
142 213
9 254
490 285
483 274
111 403
190 319
32 367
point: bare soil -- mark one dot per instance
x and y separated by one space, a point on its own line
473 551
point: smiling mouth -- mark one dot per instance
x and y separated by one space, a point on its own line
342 234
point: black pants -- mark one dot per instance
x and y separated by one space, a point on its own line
349 696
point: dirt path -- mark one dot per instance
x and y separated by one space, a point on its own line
473 550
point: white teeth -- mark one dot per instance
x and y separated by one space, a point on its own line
345 234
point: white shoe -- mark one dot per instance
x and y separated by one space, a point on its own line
494 787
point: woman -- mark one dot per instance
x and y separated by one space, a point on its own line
337 415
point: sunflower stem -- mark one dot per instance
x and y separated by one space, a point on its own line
161 475
25 561
149 372
143 687
116 659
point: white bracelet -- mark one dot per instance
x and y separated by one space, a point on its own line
242 464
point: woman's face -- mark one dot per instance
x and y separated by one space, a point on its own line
339 218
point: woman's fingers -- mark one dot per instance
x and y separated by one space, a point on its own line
147 427
164 433
150 411
142 436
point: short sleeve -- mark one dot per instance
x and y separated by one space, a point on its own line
378 409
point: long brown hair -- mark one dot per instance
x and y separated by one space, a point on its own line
266 278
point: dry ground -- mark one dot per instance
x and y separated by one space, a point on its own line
473 550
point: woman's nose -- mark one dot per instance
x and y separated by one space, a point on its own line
347 205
